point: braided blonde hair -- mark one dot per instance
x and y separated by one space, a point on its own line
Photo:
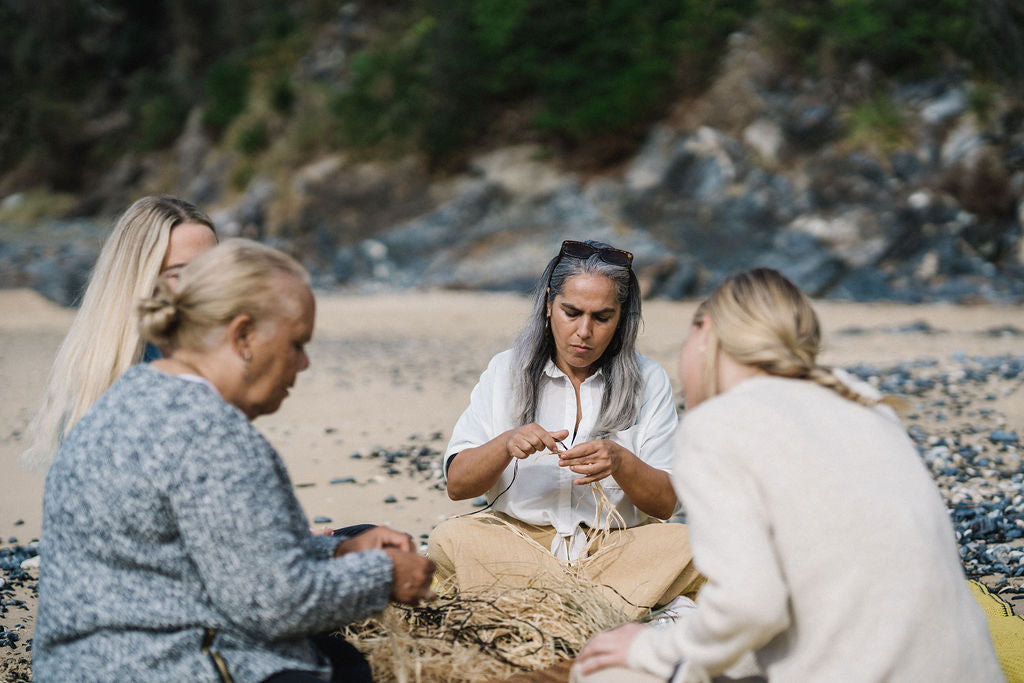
763 320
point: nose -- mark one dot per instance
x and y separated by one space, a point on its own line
584 329
303 361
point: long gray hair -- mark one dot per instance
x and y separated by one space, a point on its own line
534 346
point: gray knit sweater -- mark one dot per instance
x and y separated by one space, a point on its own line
171 537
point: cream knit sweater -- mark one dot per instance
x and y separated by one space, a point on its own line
826 545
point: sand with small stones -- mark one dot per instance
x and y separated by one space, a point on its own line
394 372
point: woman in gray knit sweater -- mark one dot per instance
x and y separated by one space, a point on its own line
173 546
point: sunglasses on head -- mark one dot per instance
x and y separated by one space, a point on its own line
582 250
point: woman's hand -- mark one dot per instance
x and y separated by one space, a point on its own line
473 471
410 577
595 460
533 438
377 538
609 648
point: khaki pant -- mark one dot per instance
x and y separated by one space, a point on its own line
637 568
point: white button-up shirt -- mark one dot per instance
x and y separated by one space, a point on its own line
543 492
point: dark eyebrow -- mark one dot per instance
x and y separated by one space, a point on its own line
570 307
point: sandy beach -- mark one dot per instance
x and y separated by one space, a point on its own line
393 372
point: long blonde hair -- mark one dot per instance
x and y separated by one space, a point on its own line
763 320
103 340
237 277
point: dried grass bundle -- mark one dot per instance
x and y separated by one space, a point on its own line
483 635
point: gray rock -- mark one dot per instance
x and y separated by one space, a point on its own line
951 104
803 258
648 168
765 137
809 121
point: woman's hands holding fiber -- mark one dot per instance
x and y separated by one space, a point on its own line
609 648
411 573
533 438
594 460
411 577
377 538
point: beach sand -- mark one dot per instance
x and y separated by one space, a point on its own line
395 371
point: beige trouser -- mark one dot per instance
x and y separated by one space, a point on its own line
637 568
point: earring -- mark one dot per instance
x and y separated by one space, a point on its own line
247 357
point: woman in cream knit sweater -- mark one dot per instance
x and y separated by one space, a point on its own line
828 551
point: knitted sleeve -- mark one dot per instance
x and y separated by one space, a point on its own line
246 533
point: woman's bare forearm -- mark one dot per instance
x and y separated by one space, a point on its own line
649 488
475 470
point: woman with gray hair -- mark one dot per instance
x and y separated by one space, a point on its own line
569 434
173 546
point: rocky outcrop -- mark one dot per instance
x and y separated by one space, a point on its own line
773 179
766 169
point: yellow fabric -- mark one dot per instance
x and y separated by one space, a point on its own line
1007 631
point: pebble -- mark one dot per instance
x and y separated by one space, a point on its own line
343 480
976 461
1003 436
321 519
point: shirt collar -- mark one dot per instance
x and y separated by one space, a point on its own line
552 370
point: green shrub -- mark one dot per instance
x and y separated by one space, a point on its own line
875 123
282 95
252 139
905 37
227 91
389 97
583 68
160 120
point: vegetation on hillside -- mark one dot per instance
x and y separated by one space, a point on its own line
86 82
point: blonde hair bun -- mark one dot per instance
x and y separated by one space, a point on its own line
236 277
159 315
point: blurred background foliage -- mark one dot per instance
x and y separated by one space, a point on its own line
87 81
574 69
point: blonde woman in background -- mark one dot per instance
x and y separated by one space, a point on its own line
155 236
827 548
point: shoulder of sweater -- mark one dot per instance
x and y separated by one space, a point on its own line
740 404
180 392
